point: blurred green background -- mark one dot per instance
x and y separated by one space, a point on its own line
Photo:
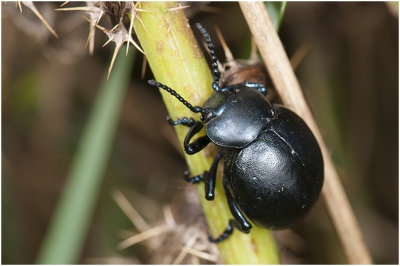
349 73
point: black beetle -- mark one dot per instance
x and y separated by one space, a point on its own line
273 170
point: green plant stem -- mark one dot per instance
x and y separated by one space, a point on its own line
65 237
176 60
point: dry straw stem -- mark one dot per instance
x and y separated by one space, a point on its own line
177 61
285 82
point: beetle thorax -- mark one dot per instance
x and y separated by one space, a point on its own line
237 116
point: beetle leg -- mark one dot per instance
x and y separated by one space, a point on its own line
240 222
212 175
260 88
195 179
195 127
229 88
199 143
208 177
228 231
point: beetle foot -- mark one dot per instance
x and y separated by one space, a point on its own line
194 179
185 121
228 231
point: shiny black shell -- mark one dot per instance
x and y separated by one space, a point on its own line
276 178
237 116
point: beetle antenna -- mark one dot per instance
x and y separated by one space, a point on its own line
216 74
194 109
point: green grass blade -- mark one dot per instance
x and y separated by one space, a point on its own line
276 10
69 226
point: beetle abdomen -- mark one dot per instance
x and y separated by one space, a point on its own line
277 178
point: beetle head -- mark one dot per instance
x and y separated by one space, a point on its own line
213 107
